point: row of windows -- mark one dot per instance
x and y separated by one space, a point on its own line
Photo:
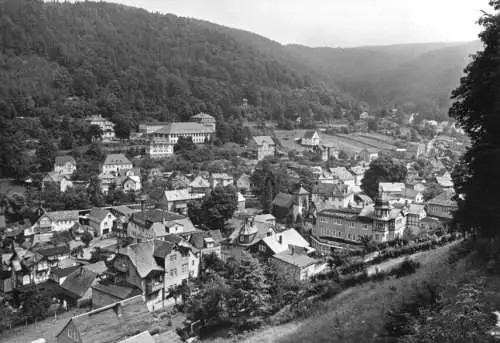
184 269
347 223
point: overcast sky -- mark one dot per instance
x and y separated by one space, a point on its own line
336 22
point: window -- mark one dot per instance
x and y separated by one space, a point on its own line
173 272
173 257
185 268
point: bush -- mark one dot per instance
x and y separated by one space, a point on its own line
407 267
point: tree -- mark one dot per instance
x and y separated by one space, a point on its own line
372 125
250 289
67 140
184 146
476 111
219 206
34 306
46 154
86 238
195 212
94 133
122 129
383 169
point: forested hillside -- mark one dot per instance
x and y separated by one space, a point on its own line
69 60
413 77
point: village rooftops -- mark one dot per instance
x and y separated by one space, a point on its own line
364 214
416 208
118 290
223 176
200 182
78 282
309 134
62 160
141 218
298 260
392 187
341 173
287 237
116 159
330 189
115 322
181 195
143 337
98 214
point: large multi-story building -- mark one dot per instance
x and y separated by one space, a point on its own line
171 132
154 267
107 127
327 196
389 223
205 119
116 164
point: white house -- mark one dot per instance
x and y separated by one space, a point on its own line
132 184
101 221
107 127
160 148
56 221
65 165
116 163
220 180
310 138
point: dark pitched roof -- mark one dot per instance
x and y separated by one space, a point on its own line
98 214
444 199
197 238
114 322
118 290
140 218
62 160
52 250
309 134
61 272
283 200
78 282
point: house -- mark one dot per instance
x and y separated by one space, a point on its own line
101 221
207 242
442 206
132 184
159 147
65 165
327 152
200 185
296 266
205 119
244 183
220 180
388 222
278 242
178 180
58 275
77 287
116 164
310 139
415 213
55 221
286 205
343 225
429 225
391 190
264 145
343 176
170 133
177 200
154 267
367 155
241 202
415 150
445 181
110 324
359 173
107 127
62 181
106 292
326 195
158 224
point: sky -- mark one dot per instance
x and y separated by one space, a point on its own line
336 23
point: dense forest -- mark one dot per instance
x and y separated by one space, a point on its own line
61 62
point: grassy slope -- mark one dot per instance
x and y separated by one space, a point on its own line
358 314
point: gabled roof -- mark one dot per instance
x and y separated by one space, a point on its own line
99 267
142 218
330 189
52 250
114 322
181 195
142 255
260 140
118 290
444 199
98 214
200 182
78 282
288 237
416 208
309 134
116 159
341 173
224 176
298 260
62 160
62 215
62 272
197 239
283 200
143 337
202 115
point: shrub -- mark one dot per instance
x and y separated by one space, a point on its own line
407 267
